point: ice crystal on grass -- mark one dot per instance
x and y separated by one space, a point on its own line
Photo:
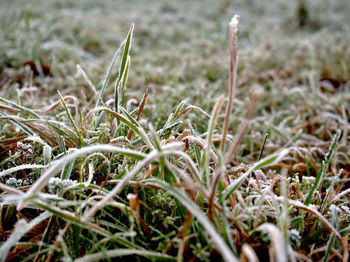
56 184
294 236
13 182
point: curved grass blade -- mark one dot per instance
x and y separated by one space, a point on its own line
57 165
152 156
277 241
21 167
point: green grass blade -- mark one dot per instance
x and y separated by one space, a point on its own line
225 224
329 247
70 217
329 190
71 119
124 80
123 67
24 128
108 76
132 120
15 120
88 81
23 108
130 123
67 170
324 167
210 131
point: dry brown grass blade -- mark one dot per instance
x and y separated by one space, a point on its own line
57 104
243 127
107 161
8 108
190 107
233 75
182 247
202 144
345 244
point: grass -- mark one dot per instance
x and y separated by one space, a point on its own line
152 141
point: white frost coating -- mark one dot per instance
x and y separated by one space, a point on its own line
234 22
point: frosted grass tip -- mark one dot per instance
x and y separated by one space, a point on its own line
234 22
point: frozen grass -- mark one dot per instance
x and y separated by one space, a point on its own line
125 162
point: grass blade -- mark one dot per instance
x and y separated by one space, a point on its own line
87 79
123 67
210 131
324 167
57 165
82 143
22 108
277 241
21 228
233 75
109 254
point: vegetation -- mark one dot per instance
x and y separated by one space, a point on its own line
147 155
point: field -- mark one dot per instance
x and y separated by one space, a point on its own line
174 130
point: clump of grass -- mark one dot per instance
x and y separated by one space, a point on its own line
104 185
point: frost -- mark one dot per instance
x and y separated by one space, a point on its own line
234 22
56 184
13 182
294 235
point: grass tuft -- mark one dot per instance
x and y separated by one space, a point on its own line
117 168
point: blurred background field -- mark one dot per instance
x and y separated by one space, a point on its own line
179 49
297 52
